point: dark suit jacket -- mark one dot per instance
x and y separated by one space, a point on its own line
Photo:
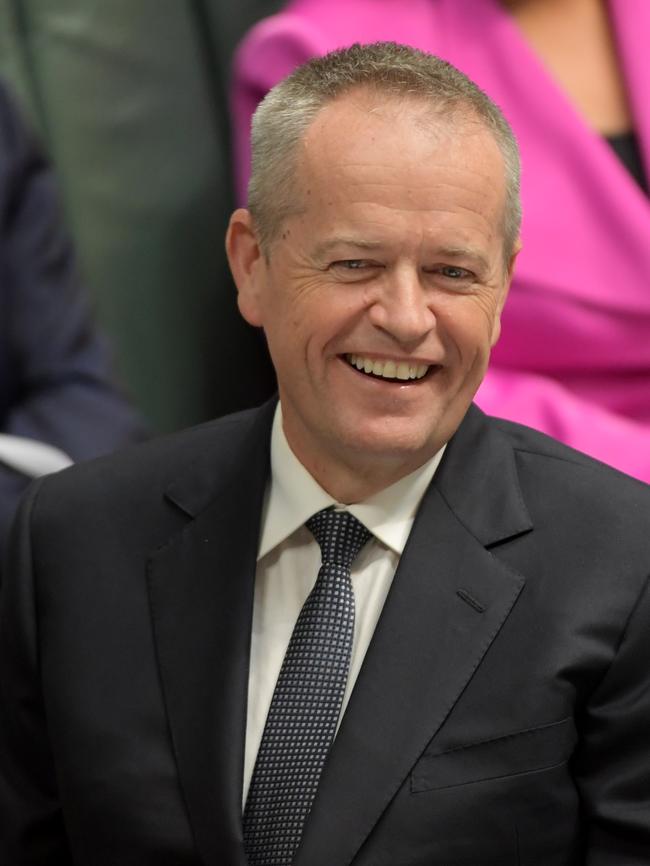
55 379
502 715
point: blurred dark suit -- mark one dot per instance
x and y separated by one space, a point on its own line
55 385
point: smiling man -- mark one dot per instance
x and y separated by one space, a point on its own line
364 624
380 297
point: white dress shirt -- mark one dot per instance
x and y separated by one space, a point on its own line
30 457
288 561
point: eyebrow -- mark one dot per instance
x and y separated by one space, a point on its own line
463 253
342 241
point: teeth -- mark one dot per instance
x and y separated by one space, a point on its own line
388 369
402 371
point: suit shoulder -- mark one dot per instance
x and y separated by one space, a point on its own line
157 462
559 464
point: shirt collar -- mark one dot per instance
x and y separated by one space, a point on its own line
294 496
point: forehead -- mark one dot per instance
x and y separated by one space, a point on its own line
383 159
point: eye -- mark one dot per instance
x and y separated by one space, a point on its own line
454 273
352 264
452 278
354 270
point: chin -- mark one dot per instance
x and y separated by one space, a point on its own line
390 440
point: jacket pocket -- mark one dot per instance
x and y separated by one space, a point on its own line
520 752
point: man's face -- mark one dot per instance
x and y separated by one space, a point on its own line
381 298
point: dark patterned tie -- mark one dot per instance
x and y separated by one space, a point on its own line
306 703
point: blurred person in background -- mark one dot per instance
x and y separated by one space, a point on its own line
58 403
572 77
132 102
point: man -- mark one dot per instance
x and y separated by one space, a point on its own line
57 400
466 680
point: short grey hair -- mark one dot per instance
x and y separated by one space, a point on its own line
285 113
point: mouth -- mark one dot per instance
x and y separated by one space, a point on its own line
387 369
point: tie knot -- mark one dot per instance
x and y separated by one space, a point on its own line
339 534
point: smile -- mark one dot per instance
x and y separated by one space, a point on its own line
396 370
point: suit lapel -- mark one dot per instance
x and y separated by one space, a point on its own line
448 601
201 593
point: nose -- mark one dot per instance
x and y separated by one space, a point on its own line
402 308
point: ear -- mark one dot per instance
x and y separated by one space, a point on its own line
505 288
247 264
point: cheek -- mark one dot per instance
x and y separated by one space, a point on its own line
467 330
320 321
291 333
496 331
282 316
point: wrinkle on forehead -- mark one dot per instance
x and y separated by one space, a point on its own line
418 197
374 212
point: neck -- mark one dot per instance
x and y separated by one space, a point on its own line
349 482
348 486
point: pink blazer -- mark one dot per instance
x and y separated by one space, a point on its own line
574 356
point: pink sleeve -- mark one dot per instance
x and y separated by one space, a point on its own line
270 51
547 405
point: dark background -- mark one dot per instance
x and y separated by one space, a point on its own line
130 100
